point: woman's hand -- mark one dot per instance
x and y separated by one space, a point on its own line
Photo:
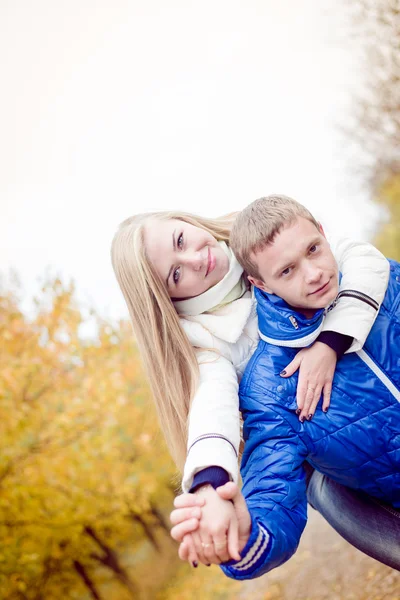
223 529
317 367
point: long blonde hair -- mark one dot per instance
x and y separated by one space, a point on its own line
168 357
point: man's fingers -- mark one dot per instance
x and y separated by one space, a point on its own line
291 367
179 531
233 540
228 491
187 500
327 397
182 514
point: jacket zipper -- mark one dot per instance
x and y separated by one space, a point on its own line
379 373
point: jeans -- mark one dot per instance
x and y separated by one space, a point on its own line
365 522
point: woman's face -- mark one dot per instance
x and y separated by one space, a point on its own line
187 258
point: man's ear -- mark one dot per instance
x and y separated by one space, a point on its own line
321 229
259 284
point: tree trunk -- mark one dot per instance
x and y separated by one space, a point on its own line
110 560
80 569
147 529
157 514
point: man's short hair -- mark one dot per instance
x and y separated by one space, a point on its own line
256 226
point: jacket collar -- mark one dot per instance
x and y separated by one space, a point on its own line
280 325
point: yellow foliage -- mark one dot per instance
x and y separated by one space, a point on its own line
77 441
388 238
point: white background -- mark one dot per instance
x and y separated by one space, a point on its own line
108 108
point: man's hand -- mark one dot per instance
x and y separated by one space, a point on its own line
213 536
317 367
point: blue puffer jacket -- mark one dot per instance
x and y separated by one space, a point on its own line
357 442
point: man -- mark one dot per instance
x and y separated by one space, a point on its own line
357 444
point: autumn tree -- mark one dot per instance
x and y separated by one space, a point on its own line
374 27
85 478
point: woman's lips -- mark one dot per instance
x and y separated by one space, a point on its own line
211 262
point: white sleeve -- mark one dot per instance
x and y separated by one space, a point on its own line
365 276
214 421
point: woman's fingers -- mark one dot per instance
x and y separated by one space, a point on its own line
199 548
187 551
187 500
182 514
292 367
327 396
312 398
179 531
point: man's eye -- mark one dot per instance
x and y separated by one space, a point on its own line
176 275
180 241
286 271
313 248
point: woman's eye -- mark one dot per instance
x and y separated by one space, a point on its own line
176 275
286 271
313 248
180 241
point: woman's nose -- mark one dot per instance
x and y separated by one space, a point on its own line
192 259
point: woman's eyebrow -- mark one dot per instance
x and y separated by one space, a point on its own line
172 266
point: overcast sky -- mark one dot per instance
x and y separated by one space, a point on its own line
114 107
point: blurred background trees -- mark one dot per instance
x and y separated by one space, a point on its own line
77 461
86 483
375 128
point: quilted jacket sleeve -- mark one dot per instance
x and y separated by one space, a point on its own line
365 276
275 491
216 402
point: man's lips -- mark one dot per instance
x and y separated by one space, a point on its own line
321 289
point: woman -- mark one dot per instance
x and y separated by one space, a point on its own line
195 325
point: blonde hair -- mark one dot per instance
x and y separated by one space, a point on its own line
257 225
168 357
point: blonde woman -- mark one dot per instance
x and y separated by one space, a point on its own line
195 324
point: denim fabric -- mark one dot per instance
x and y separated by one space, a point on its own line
365 522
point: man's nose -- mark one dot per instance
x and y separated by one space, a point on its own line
313 273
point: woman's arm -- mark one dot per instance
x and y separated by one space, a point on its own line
365 276
214 423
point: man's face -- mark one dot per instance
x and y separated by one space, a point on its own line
299 267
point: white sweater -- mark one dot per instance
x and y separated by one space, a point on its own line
214 421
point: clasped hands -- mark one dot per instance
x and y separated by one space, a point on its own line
212 526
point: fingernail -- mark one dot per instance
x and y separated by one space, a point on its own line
301 419
195 564
309 417
298 411
282 372
208 565
325 410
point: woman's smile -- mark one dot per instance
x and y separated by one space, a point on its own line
188 258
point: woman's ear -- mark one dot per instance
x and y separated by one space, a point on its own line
258 283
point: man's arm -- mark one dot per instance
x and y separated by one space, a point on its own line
274 487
